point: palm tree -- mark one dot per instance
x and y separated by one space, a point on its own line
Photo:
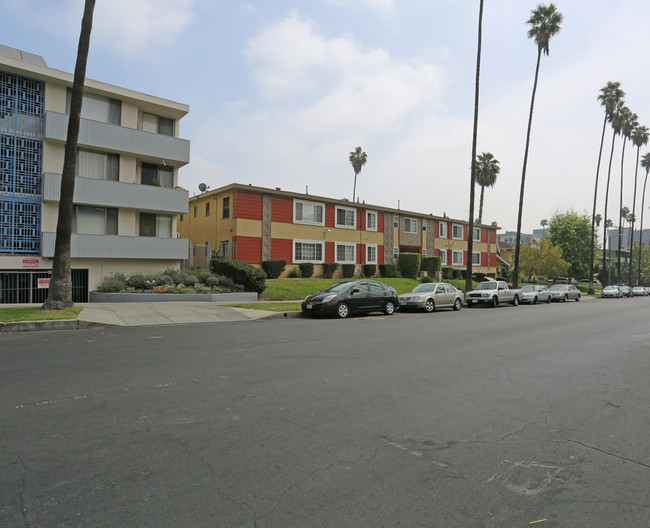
472 181
598 219
60 291
544 23
487 170
628 124
358 159
543 223
609 96
645 163
640 137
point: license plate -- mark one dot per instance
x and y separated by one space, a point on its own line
308 306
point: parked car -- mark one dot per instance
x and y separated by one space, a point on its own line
612 291
586 281
492 292
356 296
564 280
564 292
533 294
431 295
639 291
625 290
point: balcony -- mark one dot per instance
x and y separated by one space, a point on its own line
104 193
116 138
119 247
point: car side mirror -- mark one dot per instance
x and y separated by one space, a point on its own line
354 290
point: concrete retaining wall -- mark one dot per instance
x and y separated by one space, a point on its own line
165 297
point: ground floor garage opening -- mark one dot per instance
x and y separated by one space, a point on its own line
22 286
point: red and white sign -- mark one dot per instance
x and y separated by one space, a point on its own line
31 262
43 284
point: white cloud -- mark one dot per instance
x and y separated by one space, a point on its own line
384 7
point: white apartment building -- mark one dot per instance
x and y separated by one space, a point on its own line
126 192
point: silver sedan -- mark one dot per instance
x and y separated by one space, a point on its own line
564 292
431 295
533 294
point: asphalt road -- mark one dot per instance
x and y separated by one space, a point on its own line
509 417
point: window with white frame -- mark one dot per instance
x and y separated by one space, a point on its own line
97 108
457 258
305 212
371 221
346 217
395 253
308 251
98 165
395 221
457 231
155 225
442 254
345 253
424 225
88 220
157 125
371 254
424 252
476 258
157 175
477 234
443 230
410 225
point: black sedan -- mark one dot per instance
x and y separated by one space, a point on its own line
358 296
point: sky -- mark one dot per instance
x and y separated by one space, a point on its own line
280 92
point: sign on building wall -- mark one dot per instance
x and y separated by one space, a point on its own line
43 284
31 262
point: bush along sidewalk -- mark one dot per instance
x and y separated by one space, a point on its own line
251 278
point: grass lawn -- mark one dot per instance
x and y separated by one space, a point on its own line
35 313
271 307
294 289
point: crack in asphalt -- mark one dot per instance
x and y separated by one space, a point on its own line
23 491
607 452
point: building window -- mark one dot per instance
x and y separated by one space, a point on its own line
155 225
308 251
207 208
371 221
442 253
395 221
371 254
457 257
94 220
223 249
476 258
226 207
424 225
308 212
157 125
395 253
345 253
410 225
443 229
346 217
477 234
457 231
157 175
424 252
195 211
98 165
182 217
98 108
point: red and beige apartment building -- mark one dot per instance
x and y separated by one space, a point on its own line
254 224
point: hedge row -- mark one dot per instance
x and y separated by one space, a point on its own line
252 278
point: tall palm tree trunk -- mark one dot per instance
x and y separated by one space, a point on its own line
480 207
593 213
620 218
472 185
609 173
354 189
60 291
641 229
523 172
636 173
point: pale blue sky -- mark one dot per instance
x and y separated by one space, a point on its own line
280 92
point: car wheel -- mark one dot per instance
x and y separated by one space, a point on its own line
548 300
389 308
566 298
495 301
578 299
515 300
342 311
458 304
535 300
429 306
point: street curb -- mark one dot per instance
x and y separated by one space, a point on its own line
285 315
43 326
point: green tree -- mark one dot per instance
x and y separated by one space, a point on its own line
487 170
472 177
629 123
543 259
572 233
358 159
640 137
608 97
544 23
645 163
60 291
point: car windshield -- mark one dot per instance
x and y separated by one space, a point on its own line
558 287
487 286
427 287
528 289
338 286
611 288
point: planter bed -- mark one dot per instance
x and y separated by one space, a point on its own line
166 297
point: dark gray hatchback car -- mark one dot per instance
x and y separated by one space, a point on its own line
347 297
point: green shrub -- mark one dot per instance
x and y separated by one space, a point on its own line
202 276
431 264
447 273
137 281
295 273
306 269
329 268
369 270
212 281
348 270
175 274
409 265
389 271
274 268
113 283
190 280
164 280
427 278
252 278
